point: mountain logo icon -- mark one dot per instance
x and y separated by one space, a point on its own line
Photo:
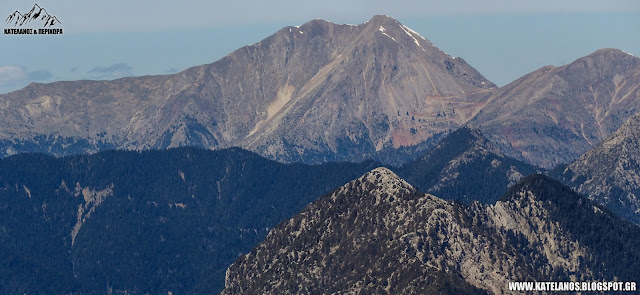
36 13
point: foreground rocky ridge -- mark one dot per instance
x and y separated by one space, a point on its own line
377 234
314 93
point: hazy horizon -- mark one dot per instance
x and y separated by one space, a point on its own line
502 40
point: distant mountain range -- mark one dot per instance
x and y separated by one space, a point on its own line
324 92
315 93
378 235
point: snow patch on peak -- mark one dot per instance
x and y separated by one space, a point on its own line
411 34
394 39
415 33
408 32
382 29
628 53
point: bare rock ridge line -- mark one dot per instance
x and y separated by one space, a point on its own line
313 93
379 235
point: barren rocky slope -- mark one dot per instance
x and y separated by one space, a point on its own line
555 114
313 93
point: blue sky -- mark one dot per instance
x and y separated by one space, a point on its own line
503 39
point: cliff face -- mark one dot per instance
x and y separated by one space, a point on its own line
377 234
313 93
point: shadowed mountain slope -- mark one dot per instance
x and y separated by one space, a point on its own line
466 167
610 173
139 223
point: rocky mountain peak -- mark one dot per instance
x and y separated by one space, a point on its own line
381 19
624 142
555 114
386 181
603 65
626 137
471 139
312 93
630 129
348 223
611 53
379 184
536 188
347 243
381 175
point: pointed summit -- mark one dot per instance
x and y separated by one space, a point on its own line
336 243
382 19
386 181
611 52
364 240
541 188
